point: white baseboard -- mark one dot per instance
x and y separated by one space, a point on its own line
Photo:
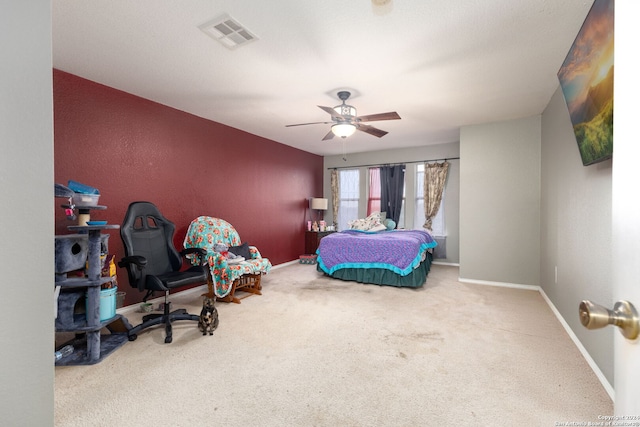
603 380
592 364
502 284
452 264
284 264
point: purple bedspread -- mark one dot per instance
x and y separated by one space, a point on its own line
399 250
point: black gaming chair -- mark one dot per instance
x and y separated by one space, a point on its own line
153 263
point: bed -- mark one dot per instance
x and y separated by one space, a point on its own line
397 257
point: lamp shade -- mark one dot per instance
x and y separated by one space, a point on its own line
343 130
319 204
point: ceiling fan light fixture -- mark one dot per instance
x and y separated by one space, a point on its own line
346 110
343 130
346 121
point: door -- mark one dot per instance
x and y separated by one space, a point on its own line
626 201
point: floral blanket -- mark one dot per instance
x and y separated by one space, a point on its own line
398 250
205 232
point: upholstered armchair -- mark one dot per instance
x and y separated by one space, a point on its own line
229 273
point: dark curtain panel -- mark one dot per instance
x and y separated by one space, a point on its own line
391 190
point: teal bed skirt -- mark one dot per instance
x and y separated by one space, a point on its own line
381 276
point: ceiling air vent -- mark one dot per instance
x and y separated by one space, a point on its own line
228 31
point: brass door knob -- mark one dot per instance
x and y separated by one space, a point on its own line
623 315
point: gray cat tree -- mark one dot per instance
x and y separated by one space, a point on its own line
78 303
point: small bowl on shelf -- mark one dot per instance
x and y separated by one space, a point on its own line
96 222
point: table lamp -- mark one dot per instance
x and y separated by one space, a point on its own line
318 205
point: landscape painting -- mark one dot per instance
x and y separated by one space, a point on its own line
586 79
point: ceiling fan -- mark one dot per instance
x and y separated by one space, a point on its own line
345 121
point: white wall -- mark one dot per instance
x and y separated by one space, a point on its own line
576 230
408 155
500 202
26 219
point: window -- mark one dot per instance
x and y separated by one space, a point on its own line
349 197
419 218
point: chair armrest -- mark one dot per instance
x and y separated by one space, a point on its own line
255 253
200 254
137 260
135 265
199 251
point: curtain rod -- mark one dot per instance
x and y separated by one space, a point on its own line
393 164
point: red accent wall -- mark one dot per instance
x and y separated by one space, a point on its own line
134 149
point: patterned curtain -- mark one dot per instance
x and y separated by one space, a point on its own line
435 176
335 196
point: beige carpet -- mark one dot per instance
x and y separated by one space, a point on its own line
312 351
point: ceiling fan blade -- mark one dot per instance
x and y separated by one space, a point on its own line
381 116
371 130
333 112
328 136
312 123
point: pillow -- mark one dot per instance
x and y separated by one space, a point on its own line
357 224
379 227
389 223
376 217
368 223
242 250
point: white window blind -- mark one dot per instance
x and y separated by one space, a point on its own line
349 197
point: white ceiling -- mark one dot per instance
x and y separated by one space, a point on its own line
440 64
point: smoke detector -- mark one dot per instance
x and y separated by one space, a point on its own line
228 31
